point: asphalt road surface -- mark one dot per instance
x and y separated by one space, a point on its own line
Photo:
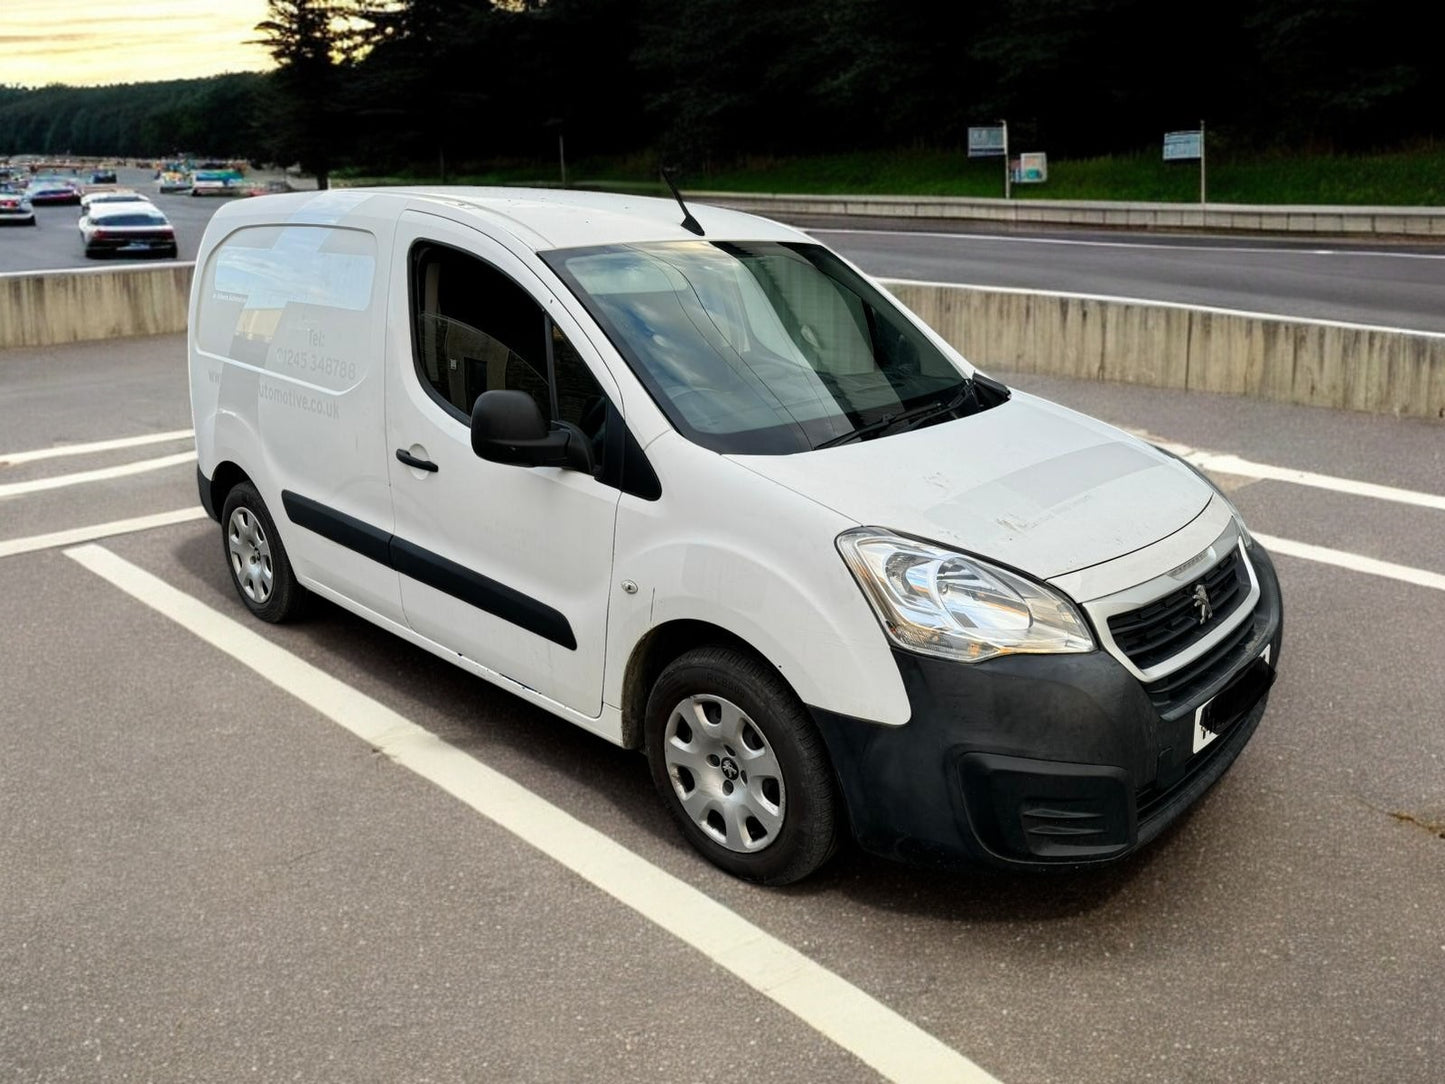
54 241
206 877
1373 283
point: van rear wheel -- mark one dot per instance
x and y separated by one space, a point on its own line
740 766
260 570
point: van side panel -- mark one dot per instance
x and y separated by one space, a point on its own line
287 383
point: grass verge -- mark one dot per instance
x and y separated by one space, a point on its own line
1401 178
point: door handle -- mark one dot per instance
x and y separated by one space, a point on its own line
412 461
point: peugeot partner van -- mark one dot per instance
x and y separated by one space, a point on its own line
696 484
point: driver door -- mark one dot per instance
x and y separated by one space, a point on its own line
507 566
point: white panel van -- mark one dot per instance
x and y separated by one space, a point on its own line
704 489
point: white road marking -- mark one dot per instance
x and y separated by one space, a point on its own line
1223 463
1252 249
12 546
12 459
37 485
893 1046
1355 562
1275 317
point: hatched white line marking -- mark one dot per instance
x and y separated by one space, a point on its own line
1355 562
74 536
12 459
37 485
1273 317
1224 463
893 1046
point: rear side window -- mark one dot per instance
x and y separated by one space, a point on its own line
294 300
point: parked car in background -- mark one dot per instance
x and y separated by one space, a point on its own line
127 229
173 180
15 205
102 176
217 182
109 196
270 188
51 188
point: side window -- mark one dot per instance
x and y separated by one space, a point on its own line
580 399
475 330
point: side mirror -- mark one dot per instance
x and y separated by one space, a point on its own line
507 427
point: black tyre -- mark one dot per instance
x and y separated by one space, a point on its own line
260 569
740 766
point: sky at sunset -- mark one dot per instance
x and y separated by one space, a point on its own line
94 42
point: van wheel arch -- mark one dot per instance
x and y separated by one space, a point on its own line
225 478
659 647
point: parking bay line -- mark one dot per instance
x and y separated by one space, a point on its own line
1224 463
10 547
14 459
103 474
895 1047
1354 562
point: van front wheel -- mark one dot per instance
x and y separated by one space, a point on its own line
740 766
260 569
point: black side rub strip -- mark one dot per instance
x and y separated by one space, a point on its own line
431 569
485 594
342 529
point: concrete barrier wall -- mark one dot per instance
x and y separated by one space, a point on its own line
1417 222
1319 363
44 308
1347 366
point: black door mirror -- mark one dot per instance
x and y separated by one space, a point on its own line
507 427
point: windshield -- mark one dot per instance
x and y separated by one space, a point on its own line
761 347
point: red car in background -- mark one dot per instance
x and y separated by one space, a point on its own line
54 189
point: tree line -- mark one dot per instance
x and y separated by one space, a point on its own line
454 84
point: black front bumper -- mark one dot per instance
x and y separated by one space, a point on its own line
1044 760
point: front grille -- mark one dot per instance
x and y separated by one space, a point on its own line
1168 625
1184 687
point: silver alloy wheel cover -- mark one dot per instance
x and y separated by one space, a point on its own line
250 552
736 795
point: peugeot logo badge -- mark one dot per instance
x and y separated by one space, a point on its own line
1201 603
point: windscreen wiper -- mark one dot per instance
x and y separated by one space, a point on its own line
911 417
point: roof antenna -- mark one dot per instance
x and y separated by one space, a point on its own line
688 222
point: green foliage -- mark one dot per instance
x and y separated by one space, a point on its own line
848 93
313 42
1405 178
205 116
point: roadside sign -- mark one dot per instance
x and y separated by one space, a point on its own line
1031 167
986 142
1183 146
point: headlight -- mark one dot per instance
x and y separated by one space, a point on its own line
937 602
1238 519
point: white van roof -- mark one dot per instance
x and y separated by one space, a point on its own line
541 218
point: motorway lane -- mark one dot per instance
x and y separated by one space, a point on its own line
54 242
214 878
1382 284
1347 281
